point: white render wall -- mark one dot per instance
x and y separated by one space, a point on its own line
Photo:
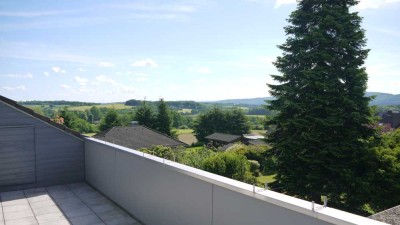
161 192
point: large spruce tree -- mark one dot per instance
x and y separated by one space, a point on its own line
323 114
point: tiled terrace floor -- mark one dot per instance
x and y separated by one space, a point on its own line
76 204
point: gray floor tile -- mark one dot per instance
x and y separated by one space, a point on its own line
14 208
57 188
73 199
62 194
34 191
41 204
23 221
76 204
53 217
18 215
21 201
59 222
77 212
11 195
39 198
99 209
45 210
86 220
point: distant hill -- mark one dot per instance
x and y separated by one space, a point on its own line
381 99
245 101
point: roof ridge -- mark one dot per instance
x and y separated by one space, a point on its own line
40 117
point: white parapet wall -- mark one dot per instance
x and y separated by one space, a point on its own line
162 192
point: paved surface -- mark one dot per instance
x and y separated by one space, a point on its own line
76 204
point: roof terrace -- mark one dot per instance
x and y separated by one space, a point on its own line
50 175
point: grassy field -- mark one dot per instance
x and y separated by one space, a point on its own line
90 134
258 116
264 179
115 106
186 136
183 131
188 111
260 132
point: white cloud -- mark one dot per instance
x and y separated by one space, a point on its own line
279 3
106 64
204 70
56 69
27 75
64 86
82 81
105 79
16 88
81 70
145 62
46 74
374 4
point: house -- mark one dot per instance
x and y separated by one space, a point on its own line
36 151
51 175
391 216
254 139
392 118
137 136
219 139
224 141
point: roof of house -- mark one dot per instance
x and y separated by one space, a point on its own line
223 137
259 142
40 117
137 137
391 216
392 118
253 136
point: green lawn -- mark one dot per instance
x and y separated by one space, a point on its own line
90 134
269 179
183 131
260 132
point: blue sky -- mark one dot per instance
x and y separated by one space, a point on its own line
108 51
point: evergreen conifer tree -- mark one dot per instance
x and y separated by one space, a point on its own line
163 118
145 116
322 119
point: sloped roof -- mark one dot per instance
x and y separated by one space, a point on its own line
223 137
137 137
392 118
259 142
40 117
391 216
